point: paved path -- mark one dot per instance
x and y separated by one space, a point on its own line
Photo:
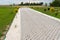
14 32
29 24
38 26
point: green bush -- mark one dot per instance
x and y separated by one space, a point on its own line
52 9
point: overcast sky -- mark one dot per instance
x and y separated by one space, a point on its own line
18 1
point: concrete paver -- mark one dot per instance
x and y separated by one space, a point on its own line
37 26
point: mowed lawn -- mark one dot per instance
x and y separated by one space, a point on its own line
48 12
6 17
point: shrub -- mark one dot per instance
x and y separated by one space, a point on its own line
44 9
15 10
48 8
17 7
52 9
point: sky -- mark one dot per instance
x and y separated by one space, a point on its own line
3 2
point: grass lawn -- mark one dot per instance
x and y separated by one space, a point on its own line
48 12
6 17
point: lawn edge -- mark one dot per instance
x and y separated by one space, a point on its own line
46 15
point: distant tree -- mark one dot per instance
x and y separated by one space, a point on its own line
10 4
45 4
51 4
13 4
26 3
41 3
21 3
55 3
34 3
31 3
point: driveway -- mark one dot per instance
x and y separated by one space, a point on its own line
38 26
29 24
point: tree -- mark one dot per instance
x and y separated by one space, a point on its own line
41 3
45 4
13 4
55 3
34 3
27 3
21 3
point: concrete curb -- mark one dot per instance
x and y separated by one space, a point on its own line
15 30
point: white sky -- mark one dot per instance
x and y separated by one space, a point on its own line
18 1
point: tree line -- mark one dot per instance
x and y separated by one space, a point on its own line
55 3
41 3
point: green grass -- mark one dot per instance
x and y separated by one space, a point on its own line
6 17
41 9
